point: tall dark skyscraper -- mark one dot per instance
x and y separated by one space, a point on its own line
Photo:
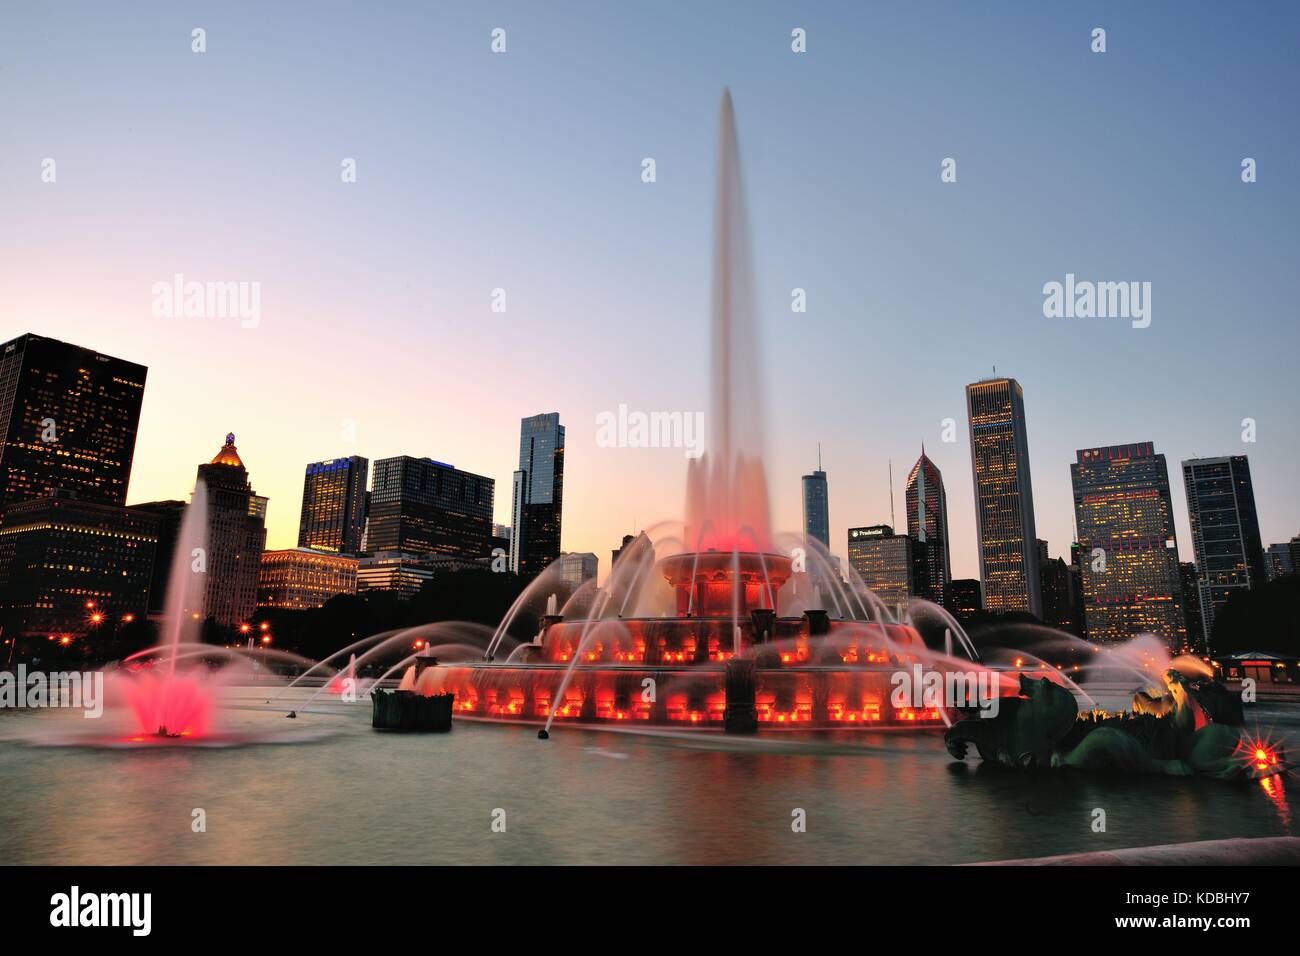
422 506
927 525
1225 532
334 505
1280 558
68 419
168 516
965 599
1004 498
236 537
1125 522
538 494
816 505
1061 593
1192 606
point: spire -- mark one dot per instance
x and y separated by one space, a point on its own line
891 496
819 456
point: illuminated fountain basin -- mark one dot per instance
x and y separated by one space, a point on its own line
726 650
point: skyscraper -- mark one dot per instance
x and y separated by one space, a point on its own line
885 561
68 566
422 506
965 599
538 494
1279 559
236 535
927 525
576 568
1225 531
816 505
618 552
68 419
334 505
1060 593
1004 499
168 516
1125 521
1192 606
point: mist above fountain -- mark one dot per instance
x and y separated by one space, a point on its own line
726 488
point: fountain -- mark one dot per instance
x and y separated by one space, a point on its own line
416 704
167 704
170 694
718 622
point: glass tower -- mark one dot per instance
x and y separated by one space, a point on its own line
1125 520
927 525
334 505
538 494
1225 531
1004 498
422 506
816 506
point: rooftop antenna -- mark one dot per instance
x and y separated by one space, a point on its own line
891 492
819 456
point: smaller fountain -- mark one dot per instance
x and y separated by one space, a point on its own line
168 704
417 703
170 694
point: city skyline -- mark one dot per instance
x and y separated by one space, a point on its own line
1184 549
389 287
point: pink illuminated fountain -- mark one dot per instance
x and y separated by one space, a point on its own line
716 622
169 702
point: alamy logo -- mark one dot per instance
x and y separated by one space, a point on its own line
39 690
626 429
1098 300
921 688
179 299
72 909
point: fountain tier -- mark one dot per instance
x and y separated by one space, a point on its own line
807 671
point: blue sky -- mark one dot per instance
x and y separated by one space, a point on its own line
522 171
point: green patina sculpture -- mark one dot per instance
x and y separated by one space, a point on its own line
1191 729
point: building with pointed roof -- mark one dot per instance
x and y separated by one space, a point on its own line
236 537
927 525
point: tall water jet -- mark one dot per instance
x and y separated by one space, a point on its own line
165 702
726 494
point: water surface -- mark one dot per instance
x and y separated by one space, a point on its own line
360 797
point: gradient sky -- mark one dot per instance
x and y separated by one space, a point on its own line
522 171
